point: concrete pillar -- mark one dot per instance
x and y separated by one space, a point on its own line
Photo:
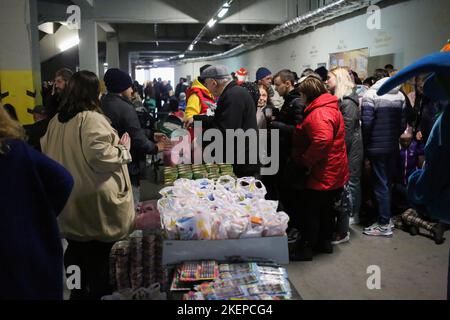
88 45
101 70
112 50
20 71
124 57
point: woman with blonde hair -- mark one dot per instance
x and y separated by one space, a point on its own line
33 192
339 83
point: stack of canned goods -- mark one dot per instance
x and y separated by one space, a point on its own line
196 171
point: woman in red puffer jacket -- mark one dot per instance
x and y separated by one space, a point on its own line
319 148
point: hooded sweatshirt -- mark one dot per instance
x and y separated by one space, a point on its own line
383 120
319 145
199 100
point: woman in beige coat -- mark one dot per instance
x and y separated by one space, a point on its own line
100 209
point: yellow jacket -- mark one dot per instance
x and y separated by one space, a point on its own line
193 105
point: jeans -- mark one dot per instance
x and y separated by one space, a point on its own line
382 168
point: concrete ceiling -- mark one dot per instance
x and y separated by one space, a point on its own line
149 29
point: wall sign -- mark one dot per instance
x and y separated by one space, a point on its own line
357 60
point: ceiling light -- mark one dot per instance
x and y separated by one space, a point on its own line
191 47
158 60
223 12
69 43
181 56
105 64
212 22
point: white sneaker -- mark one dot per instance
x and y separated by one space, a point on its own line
339 240
372 227
379 230
391 224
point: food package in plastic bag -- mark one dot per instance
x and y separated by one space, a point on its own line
226 182
204 187
166 192
256 228
184 188
186 228
218 228
275 224
236 227
251 188
203 227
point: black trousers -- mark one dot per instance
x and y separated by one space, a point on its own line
93 260
317 217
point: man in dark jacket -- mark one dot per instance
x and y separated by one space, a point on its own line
285 184
181 87
383 122
235 110
38 129
117 107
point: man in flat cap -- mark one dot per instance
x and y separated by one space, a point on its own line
235 110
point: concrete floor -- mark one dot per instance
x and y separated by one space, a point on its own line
411 267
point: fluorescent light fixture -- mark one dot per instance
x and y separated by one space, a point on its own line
212 22
158 60
69 43
181 56
223 12
47 27
191 47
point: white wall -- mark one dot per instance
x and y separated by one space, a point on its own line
409 30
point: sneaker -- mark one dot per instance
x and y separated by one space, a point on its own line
340 238
379 230
376 224
372 227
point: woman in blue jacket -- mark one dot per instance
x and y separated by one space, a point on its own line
33 191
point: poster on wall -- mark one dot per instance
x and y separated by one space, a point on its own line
357 60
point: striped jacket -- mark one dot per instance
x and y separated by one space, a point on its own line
383 120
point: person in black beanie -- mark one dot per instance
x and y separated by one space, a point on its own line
322 72
117 106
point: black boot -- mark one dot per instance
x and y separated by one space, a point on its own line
438 233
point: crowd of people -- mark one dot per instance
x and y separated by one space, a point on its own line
343 150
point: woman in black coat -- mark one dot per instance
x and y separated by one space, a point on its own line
340 84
